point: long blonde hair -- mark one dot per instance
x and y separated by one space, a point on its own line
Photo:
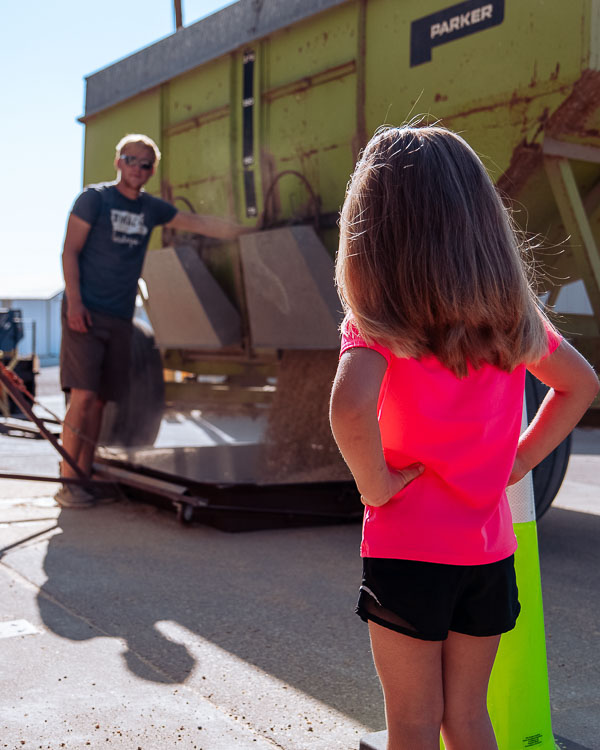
428 261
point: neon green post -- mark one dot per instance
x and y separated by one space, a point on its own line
519 699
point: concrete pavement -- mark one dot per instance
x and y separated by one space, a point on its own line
150 635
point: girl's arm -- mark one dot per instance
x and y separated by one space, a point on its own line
573 386
353 417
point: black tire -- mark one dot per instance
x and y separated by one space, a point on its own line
549 474
135 419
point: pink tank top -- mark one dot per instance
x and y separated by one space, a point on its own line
465 432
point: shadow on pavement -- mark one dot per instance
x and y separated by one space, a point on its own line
281 600
570 560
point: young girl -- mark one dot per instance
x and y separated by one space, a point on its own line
426 409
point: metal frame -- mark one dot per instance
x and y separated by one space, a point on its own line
575 217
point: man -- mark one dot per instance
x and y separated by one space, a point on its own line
106 239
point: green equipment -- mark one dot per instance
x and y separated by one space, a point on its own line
260 111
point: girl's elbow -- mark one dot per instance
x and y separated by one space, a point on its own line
594 386
589 383
585 389
346 413
339 408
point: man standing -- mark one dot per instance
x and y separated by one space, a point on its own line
106 239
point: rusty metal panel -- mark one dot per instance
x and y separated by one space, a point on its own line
495 86
197 176
102 133
196 141
186 307
302 131
263 107
306 139
292 302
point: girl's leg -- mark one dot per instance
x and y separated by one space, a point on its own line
467 663
410 671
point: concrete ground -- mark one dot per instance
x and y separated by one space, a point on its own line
120 628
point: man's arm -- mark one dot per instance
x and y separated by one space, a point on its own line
78 316
209 226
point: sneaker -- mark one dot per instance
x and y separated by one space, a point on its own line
74 497
105 494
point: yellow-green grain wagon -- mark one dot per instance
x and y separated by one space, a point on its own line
260 111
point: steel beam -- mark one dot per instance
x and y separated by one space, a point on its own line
575 220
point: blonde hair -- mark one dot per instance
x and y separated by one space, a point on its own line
428 260
140 139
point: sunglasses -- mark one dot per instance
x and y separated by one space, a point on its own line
132 161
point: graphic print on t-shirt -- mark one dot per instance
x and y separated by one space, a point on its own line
127 228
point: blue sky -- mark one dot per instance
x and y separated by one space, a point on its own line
46 49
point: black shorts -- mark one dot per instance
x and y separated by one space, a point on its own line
97 360
426 600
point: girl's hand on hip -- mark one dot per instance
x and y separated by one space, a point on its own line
397 480
519 470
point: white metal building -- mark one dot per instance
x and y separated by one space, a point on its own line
41 325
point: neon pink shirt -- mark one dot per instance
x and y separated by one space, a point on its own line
465 433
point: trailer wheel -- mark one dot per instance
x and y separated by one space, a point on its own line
549 474
135 419
185 513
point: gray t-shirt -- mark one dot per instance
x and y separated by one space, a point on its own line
110 262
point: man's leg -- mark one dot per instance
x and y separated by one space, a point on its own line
410 671
467 663
80 430
92 430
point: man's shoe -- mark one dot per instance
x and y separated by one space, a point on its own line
105 494
74 497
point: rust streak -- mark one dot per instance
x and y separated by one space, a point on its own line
526 158
197 121
203 181
300 155
512 102
576 110
569 119
307 82
360 139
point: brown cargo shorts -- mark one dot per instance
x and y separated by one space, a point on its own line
97 360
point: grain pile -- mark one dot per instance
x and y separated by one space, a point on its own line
298 445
